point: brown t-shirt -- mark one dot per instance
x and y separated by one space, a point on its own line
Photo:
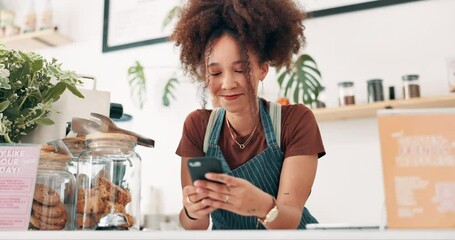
299 136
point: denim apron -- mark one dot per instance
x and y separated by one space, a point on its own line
263 171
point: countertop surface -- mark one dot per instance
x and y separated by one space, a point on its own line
235 234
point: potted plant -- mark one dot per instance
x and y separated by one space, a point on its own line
29 84
301 83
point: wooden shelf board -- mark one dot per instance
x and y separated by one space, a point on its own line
35 40
369 110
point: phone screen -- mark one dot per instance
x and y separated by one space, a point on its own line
198 167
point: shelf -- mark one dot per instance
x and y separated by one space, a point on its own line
369 110
35 40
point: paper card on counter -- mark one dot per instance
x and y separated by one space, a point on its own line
418 156
18 169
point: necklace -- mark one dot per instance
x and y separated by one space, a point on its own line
241 145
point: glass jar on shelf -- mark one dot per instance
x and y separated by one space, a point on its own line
411 87
108 183
375 90
346 95
53 206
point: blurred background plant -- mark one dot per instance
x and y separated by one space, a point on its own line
29 84
301 83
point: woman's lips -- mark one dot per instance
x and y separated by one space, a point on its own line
230 97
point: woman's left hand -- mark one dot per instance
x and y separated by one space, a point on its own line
232 194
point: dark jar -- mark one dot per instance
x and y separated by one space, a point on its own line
411 87
346 95
375 90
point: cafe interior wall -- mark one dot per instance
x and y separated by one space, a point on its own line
381 43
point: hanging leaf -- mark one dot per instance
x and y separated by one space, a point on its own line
168 88
173 13
137 82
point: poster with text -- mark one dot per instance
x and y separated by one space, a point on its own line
418 156
18 168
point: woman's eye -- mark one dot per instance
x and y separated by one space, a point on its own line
215 74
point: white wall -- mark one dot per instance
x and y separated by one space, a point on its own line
380 43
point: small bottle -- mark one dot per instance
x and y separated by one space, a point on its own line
108 183
53 205
46 18
411 88
346 93
375 90
30 19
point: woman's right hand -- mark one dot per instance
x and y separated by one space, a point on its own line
192 202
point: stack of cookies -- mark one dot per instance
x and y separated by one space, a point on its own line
48 212
103 198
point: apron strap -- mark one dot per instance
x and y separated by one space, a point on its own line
209 128
275 115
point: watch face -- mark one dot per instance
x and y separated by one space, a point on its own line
272 214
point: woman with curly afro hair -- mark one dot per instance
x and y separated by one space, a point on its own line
268 152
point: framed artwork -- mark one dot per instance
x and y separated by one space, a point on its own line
322 8
134 23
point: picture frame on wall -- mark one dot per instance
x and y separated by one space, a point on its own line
135 23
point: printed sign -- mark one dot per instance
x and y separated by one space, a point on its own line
418 156
18 168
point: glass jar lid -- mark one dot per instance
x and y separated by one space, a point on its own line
374 81
346 84
109 140
51 159
410 77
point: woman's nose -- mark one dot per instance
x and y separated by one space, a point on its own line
229 81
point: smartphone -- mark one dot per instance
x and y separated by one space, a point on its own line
199 166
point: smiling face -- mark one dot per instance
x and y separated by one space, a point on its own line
227 75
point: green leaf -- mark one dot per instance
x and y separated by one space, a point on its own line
303 80
168 91
44 121
173 13
74 90
55 92
137 82
4 105
37 65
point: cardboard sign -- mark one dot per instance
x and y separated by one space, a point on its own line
18 168
418 156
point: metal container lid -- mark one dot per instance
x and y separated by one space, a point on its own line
346 84
410 77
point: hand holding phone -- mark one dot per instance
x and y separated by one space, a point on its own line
199 166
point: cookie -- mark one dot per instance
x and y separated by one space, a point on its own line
114 207
117 194
92 204
61 221
45 195
123 196
55 211
36 223
130 219
84 221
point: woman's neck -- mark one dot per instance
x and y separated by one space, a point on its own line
243 124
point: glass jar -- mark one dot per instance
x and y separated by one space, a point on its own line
108 183
411 87
375 90
346 93
53 205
